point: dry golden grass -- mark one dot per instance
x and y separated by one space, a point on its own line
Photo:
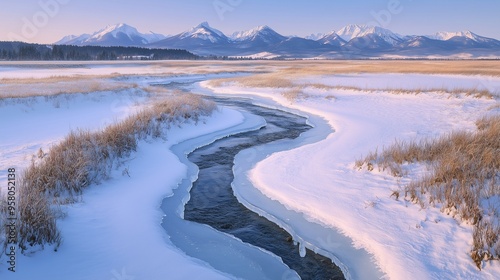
37 221
85 158
475 92
494 107
279 81
53 79
301 68
84 83
465 170
292 95
284 74
144 68
57 86
268 80
273 74
327 67
319 67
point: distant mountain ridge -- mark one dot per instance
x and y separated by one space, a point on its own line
351 41
113 35
201 35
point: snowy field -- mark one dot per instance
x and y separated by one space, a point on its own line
406 242
114 231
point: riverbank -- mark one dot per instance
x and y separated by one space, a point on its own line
115 230
405 240
360 112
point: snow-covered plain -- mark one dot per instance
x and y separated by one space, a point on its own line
115 231
319 181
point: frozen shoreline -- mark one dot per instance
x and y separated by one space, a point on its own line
222 251
355 263
406 242
96 237
116 229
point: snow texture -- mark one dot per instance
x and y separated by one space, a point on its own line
405 241
115 231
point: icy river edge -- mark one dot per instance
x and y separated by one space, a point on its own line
355 263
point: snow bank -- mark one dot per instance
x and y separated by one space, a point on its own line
40 122
115 231
38 70
222 251
319 181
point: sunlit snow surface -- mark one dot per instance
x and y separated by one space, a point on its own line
319 180
115 231
220 250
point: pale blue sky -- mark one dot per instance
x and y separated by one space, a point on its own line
46 21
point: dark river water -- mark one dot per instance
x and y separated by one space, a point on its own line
212 201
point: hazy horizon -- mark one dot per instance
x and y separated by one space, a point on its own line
47 21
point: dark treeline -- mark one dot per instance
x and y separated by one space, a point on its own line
27 51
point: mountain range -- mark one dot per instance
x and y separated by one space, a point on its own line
122 35
352 41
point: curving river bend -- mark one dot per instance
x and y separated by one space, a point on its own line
205 220
211 202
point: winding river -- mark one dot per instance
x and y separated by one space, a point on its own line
206 221
213 203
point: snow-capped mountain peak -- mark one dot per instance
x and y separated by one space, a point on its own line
448 35
73 39
119 34
332 38
203 24
262 33
242 35
116 29
315 36
352 40
204 31
153 37
444 36
352 31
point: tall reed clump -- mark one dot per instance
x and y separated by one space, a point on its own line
464 179
84 158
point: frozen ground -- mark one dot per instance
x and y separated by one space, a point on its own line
319 179
115 231
406 242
